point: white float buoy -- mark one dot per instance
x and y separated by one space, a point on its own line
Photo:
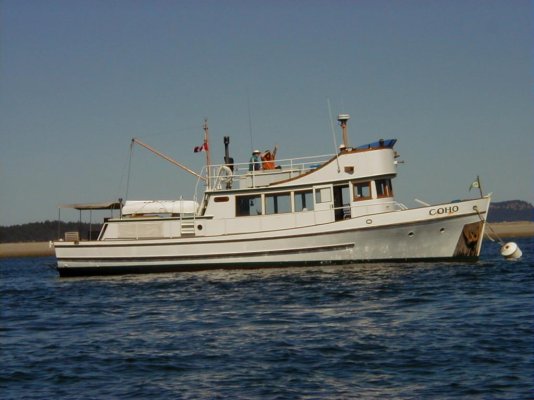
511 251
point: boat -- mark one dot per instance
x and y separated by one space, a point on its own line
329 209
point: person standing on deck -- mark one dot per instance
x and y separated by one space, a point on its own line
268 157
255 161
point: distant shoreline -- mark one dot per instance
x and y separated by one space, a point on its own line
43 249
511 229
26 249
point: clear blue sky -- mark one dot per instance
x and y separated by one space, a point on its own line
451 80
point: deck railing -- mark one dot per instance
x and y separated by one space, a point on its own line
243 175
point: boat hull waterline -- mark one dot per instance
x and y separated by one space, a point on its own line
327 209
419 234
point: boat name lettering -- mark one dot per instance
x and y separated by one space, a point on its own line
444 210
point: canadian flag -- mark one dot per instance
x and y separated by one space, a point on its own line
203 147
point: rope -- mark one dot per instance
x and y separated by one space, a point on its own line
489 226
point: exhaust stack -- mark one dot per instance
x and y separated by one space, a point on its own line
342 119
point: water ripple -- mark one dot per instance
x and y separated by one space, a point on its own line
375 331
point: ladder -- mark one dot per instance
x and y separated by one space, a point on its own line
187 227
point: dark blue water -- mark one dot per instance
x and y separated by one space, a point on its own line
398 331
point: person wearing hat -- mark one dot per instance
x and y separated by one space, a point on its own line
255 161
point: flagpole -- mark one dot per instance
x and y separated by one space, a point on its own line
479 186
208 150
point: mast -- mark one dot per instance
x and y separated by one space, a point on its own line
207 148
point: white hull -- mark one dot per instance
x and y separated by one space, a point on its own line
338 209
417 234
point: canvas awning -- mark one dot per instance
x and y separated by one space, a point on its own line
112 205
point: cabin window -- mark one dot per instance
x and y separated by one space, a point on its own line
362 191
323 195
383 188
221 199
304 201
277 203
248 205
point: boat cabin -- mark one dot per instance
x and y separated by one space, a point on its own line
298 193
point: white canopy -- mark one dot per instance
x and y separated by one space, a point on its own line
159 207
110 205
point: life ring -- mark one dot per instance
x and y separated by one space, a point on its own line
224 175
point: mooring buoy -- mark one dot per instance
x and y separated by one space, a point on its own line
511 251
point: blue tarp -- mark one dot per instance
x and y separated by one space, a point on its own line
388 143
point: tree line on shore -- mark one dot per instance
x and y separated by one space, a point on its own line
513 210
43 231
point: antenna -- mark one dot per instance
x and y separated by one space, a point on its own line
333 133
249 121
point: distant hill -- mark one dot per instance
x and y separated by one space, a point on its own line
512 210
42 231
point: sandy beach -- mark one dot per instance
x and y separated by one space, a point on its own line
42 249
511 229
28 249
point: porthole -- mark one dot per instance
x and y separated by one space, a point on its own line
199 227
442 230
369 221
411 234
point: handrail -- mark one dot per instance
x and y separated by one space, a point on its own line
293 166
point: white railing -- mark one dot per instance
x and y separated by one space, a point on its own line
362 209
241 175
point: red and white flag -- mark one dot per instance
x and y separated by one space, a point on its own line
203 147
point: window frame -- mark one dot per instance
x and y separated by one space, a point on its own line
319 193
248 197
383 183
301 194
356 185
276 204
